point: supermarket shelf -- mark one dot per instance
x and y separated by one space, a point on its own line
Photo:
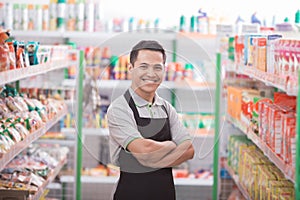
70 132
55 172
20 146
114 179
54 186
62 142
18 74
269 79
95 35
28 33
236 180
87 131
123 84
90 179
150 33
195 35
193 182
202 133
287 170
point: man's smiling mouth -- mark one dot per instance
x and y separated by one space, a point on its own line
150 80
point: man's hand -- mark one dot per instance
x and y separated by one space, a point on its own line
148 151
180 154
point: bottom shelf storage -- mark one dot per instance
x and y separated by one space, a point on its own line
236 180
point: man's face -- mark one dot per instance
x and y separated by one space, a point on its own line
147 72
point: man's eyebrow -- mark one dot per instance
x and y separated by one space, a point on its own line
144 64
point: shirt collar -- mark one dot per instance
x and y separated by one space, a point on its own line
140 102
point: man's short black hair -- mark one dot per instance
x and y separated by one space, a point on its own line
146 45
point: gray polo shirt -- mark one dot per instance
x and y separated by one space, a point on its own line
123 128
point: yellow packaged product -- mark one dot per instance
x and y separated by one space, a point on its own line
257 160
263 183
279 175
286 197
240 157
275 188
241 162
286 192
244 166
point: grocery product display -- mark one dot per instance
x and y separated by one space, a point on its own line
26 115
262 159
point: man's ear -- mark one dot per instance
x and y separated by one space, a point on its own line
130 67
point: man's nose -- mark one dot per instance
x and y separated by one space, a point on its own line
151 71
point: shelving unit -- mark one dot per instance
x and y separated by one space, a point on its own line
86 131
22 73
112 180
237 182
268 80
54 173
287 170
55 63
20 146
280 83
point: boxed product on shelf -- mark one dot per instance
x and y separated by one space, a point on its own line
235 145
252 159
276 188
264 176
254 170
288 120
235 100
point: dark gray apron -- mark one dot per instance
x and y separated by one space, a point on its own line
138 182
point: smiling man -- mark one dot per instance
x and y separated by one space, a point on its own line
147 138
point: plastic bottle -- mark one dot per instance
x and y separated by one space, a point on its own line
188 71
98 17
38 17
89 16
8 16
115 71
182 25
53 15
16 17
71 16
31 16
254 19
61 18
202 23
45 17
79 15
131 24
105 64
179 71
297 20
2 14
156 25
24 17
192 24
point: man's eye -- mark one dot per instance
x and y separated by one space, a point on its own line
157 68
143 67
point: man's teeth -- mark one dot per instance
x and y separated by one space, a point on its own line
151 81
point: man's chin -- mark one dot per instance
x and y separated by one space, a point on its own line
149 87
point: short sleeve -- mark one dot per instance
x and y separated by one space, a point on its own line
121 124
178 131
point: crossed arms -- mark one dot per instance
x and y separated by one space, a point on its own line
160 154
